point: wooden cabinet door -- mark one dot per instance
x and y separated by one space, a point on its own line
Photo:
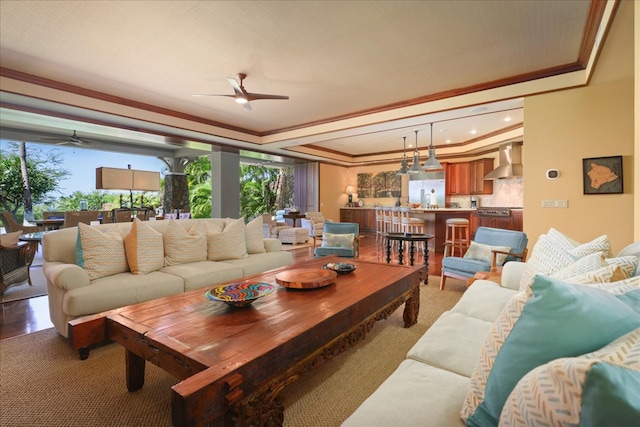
477 170
517 220
345 215
457 178
473 224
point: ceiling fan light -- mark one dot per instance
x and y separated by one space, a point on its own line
241 100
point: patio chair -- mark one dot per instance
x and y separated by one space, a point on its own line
497 247
73 218
12 225
339 238
314 223
271 228
14 266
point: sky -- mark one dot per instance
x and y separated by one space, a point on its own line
81 163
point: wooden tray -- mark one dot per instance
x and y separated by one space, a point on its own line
306 278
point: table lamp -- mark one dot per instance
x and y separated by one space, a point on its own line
350 190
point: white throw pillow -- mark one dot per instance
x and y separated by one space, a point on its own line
253 236
484 252
228 243
331 240
182 246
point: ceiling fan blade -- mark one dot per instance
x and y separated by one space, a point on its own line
257 96
247 106
236 86
213 94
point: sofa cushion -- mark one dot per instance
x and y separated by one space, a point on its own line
258 263
554 319
483 300
103 253
466 265
253 236
598 388
144 248
447 342
182 246
227 243
201 274
483 252
416 394
119 290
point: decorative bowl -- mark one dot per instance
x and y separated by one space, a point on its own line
239 294
340 267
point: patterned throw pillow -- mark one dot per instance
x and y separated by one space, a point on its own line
554 251
628 263
598 388
331 240
144 248
10 239
182 246
253 236
483 252
228 243
103 253
553 319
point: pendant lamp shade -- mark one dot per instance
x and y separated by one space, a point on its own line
404 167
432 163
415 167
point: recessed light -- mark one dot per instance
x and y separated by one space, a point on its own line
473 131
448 141
507 119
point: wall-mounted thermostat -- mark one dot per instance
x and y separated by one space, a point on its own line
553 174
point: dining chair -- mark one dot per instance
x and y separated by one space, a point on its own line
73 218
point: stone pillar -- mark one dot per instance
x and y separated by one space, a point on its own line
225 183
176 192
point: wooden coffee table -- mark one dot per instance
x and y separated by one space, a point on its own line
233 362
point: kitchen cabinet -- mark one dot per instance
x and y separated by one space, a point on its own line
514 222
457 178
517 222
365 218
477 170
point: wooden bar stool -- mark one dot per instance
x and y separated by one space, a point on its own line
457 235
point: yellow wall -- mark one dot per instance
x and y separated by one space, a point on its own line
562 128
333 182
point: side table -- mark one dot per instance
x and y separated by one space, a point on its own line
412 238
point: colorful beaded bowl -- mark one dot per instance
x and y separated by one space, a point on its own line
239 294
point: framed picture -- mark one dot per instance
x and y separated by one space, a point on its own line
602 175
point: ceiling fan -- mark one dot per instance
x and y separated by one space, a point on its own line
241 95
73 140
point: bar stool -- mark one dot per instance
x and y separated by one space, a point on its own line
396 220
387 221
457 235
379 222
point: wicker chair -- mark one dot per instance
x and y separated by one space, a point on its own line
14 266
314 223
12 225
270 228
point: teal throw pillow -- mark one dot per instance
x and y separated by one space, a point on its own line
79 254
559 320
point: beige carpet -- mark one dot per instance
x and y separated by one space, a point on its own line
292 247
25 291
43 383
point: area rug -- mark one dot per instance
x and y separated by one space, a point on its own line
306 245
43 382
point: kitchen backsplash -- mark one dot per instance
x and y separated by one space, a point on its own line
507 192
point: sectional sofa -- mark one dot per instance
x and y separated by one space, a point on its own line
557 342
91 269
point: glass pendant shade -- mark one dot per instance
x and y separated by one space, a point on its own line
432 163
404 167
415 167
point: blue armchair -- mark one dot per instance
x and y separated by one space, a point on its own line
339 238
504 246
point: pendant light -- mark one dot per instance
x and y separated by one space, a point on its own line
404 168
415 167
432 163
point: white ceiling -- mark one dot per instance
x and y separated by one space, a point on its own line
360 74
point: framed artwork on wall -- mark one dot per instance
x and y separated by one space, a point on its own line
602 175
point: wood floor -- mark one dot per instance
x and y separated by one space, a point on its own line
32 315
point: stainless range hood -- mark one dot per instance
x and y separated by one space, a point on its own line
510 162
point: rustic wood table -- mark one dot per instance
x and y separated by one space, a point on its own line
233 362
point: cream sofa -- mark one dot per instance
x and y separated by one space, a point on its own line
431 386
72 294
